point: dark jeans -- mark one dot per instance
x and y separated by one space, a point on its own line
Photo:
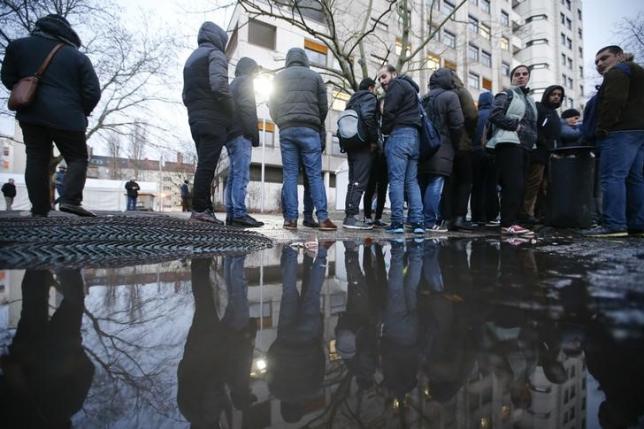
512 165
378 180
209 141
72 146
359 168
456 192
485 197
308 201
131 203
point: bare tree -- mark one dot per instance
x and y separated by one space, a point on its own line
137 147
631 34
334 24
114 149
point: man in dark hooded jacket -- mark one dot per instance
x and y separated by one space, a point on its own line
548 137
299 108
67 93
365 102
242 135
485 198
444 109
206 95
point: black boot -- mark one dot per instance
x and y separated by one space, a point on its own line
460 224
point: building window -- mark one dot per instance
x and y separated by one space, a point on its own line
486 59
448 7
473 52
537 42
581 72
261 34
449 39
563 18
473 24
580 33
505 18
541 17
505 68
505 43
487 84
570 83
399 48
581 51
433 62
339 102
579 14
484 31
563 59
568 4
569 63
563 40
563 79
473 80
450 65
569 42
568 24
539 66
316 52
485 5
266 133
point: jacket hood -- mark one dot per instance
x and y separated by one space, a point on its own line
214 34
441 79
548 91
296 57
246 66
57 27
410 81
485 100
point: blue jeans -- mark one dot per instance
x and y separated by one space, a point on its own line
622 183
308 201
431 192
239 151
300 144
401 150
131 203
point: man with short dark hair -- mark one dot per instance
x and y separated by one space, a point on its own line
67 93
620 139
132 189
9 193
365 102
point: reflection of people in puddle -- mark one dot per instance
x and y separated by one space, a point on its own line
296 358
356 331
218 352
47 374
399 343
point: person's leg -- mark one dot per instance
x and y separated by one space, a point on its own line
311 153
307 201
358 179
533 185
209 143
240 174
9 202
38 148
348 209
431 200
397 164
510 162
463 189
446 200
477 202
228 198
412 190
635 185
382 183
73 147
290 166
371 186
491 189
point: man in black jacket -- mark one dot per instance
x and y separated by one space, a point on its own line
67 93
401 125
548 137
242 136
299 107
9 193
132 189
206 95
365 102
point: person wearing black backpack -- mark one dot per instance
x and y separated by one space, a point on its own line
365 103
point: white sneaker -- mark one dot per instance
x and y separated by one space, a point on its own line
438 228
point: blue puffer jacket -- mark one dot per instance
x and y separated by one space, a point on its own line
485 107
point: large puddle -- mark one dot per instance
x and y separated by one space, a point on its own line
420 334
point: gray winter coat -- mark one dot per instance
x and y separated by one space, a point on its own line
444 109
206 92
299 94
243 92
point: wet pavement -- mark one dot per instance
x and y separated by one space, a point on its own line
425 333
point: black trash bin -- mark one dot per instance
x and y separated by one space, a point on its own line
571 173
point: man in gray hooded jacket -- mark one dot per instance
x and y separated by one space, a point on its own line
299 107
206 94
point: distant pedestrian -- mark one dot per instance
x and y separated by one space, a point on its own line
9 193
67 93
365 103
206 95
185 196
242 137
132 189
514 117
620 139
59 180
299 107
400 125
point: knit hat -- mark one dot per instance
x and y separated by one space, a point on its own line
569 113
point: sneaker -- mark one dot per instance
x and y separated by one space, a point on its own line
78 210
327 225
351 222
417 228
395 228
290 224
246 222
517 230
310 223
437 228
602 231
368 220
206 216
380 224
493 224
460 224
